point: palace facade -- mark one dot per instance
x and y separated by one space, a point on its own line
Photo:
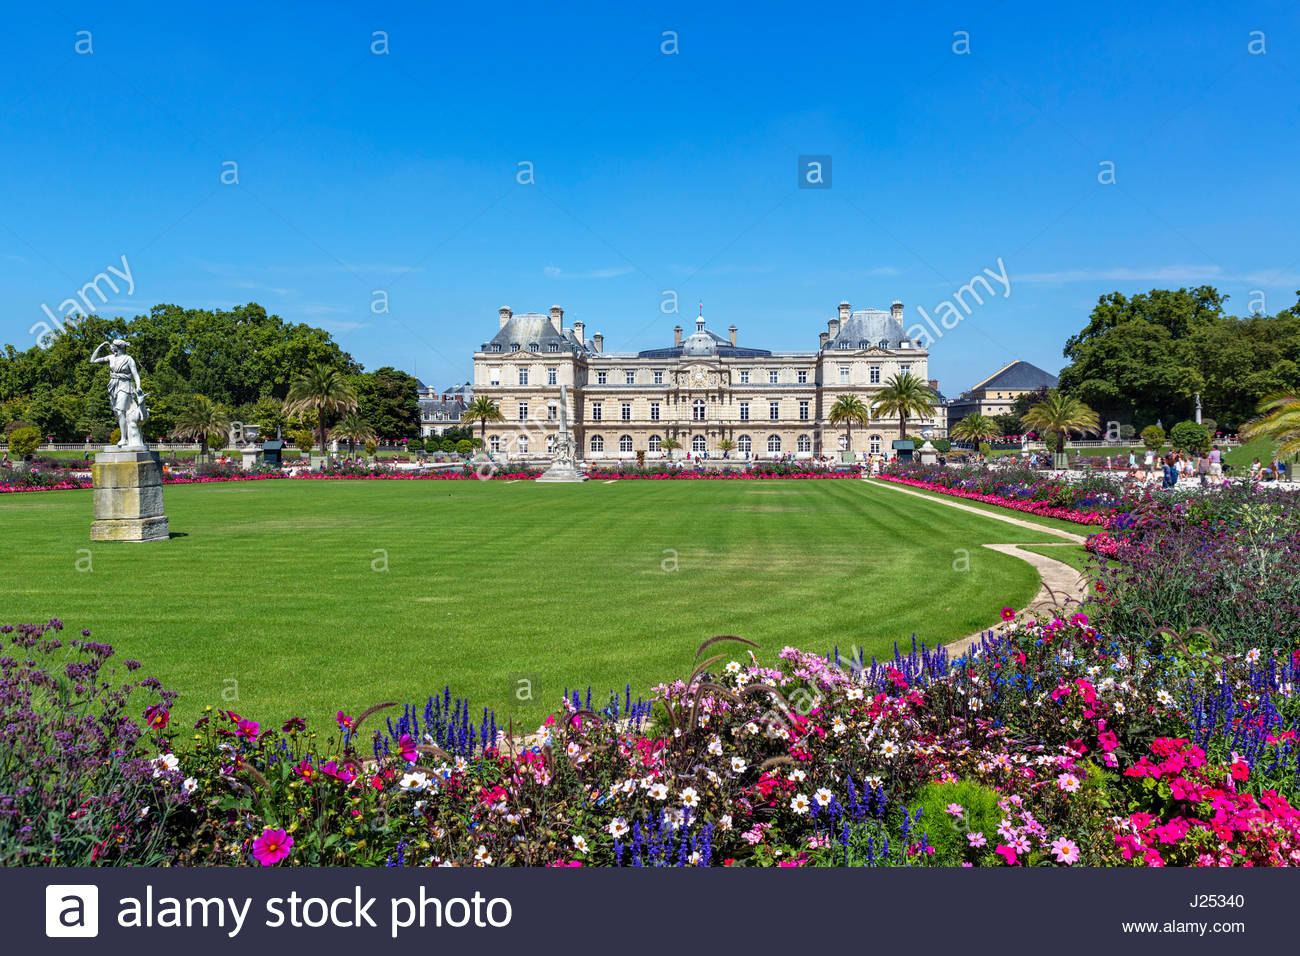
702 390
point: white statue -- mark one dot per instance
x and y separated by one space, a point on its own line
124 393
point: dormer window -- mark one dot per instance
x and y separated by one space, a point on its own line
884 343
844 346
532 346
864 344
552 347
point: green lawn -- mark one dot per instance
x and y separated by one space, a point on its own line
307 597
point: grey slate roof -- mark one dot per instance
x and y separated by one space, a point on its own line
451 411
703 343
534 332
867 328
1018 375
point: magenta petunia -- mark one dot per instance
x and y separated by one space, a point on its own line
272 847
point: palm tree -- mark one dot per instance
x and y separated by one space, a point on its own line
906 396
847 410
1059 414
974 428
669 445
323 389
726 446
353 428
202 418
483 410
1278 419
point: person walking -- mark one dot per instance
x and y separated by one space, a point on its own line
1203 469
1216 462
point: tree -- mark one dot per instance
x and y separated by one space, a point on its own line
352 428
464 446
906 396
726 446
483 410
24 441
323 390
974 428
847 410
1007 424
203 419
1278 420
1059 414
303 440
669 445
389 400
1027 400
1190 437
1153 437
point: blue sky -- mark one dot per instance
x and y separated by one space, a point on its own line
653 171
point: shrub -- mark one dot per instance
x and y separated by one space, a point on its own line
985 448
464 446
447 445
1153 437
1189 437
371 448
24 441
303 440
1126 432
942 445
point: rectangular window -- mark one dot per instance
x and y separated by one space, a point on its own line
551 376
523 411
654 411
626 410
772 376
744 411
494 443
803 376
874 377
744 376
773 410
595 411
494 376
659 376
552 413
600 378
629 378
803 411
905 368
523 376
844 375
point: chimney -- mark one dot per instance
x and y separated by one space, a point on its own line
598 341
557 319
896 312
505 314
677 335
579 328
844 312
834 326
733 330
823 339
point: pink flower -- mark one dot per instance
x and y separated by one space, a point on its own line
956 809
1008 614
272 847
407 746
976 839
1066 851
332 769
1068 782
1007 854
345 722
248 729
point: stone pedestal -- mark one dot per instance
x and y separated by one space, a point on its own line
248 458
128 496
929 454
562 471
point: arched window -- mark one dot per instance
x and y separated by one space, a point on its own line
805 443
773 443
697 410
523 444
873 444
597 443
625 443
744 444
699 445
654 443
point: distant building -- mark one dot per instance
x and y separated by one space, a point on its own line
440 411
702 390
997 394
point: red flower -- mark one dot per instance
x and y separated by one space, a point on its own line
156 716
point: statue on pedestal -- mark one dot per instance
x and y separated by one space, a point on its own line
564 459
124 393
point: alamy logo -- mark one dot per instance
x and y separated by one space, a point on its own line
72 910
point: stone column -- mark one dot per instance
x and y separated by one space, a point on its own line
128 497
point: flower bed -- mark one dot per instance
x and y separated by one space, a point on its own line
1051 744
1042 508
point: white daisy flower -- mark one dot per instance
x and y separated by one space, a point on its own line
617 827
738 765
800 803
417 780
482 856
189 785
690 798
579 843
823 797
658 791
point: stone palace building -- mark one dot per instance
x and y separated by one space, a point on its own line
701 390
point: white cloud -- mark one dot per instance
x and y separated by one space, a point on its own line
554 272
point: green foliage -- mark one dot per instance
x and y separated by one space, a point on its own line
303 440
1153 437
1189 437
1007 424
371 448
1127 432
942 445
945 831
464 446
389 400
24 441
323 391
447 445
904 395
234 357
203 419
974 427
1059 414
985 448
